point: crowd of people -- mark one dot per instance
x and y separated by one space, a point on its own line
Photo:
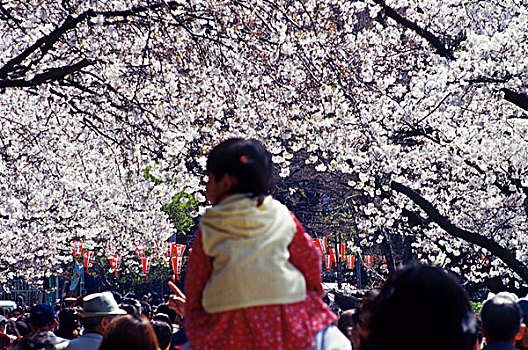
418 307
424 307
98 321
254 282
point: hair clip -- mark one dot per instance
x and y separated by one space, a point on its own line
244 159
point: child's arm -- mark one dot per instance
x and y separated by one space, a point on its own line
199 270
305 256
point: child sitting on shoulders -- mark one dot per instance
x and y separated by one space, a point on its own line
254 275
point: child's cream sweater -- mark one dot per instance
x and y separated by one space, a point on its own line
249 247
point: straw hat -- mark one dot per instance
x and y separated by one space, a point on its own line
101 304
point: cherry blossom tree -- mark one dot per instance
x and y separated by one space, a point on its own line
419 106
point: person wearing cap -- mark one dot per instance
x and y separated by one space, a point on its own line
501 321
42 322
99 310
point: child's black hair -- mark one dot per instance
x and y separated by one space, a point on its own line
248 161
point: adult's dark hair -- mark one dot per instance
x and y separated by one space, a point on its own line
247 160
69 323
145 308
130 309
12 329
523 304
131 306
162 317
164 309
18 311
163 333
155 299
422 307
501 317
129 332
346 320
22 325
91 323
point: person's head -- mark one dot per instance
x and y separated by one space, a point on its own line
522 337
523 304
98 310
155 299
164 309
131 306
22 325
16 313
42 317
146 309
501 317
239 166
362 317
3 324
421 306
347 322
69 323
163 333
162 317
129 332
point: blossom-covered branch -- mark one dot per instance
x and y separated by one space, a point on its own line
472 237
52 74
424 33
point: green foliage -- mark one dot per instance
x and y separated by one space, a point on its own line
476 306
149 176
180 211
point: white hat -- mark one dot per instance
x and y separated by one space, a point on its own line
100 304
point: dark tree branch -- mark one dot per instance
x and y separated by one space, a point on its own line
424 33
135 10
7 14
506 78
517 98
53 74
505 189
44 44
493 247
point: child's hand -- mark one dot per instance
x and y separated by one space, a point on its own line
177 301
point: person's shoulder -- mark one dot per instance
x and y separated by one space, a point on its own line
499 345
83 341
60 343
